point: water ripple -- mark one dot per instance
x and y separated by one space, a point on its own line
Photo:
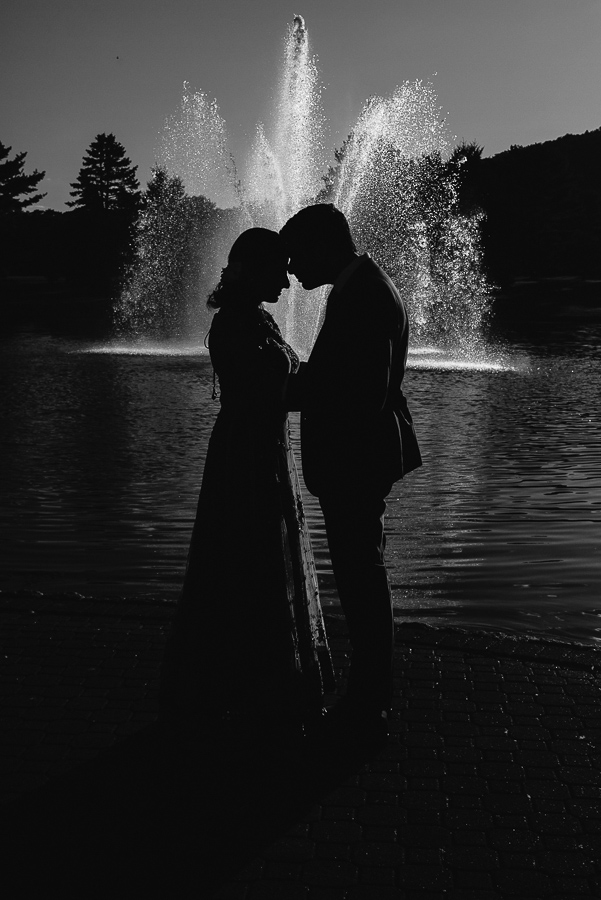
103 449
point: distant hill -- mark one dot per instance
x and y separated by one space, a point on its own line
543 208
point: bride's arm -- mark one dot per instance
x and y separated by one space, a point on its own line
251 371
279 369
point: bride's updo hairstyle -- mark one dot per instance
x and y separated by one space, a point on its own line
254 251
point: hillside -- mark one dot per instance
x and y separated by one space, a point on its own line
543 208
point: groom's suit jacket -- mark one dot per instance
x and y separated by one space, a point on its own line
356 429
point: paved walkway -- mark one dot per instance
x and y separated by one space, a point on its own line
490 786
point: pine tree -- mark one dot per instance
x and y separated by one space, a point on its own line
15 185
107 179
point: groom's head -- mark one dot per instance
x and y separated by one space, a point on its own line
319 243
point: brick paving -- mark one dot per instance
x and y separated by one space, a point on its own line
77 675
489 787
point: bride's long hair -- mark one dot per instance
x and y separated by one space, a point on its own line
250 252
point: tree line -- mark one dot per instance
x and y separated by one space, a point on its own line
92 247
539 207
87 245
106 181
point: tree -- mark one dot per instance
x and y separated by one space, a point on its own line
174 235
326 194
466 160
156 278
163 190
107 179
15 185
467 152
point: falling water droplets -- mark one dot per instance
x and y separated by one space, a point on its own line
400 197
194 146
393 182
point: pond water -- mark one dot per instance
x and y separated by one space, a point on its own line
102 454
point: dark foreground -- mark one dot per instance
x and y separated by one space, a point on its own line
489 787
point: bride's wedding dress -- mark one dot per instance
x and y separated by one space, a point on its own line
249 635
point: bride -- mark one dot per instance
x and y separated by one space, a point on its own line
248 640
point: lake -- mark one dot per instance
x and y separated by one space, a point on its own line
102 455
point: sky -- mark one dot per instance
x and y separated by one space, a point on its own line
505 71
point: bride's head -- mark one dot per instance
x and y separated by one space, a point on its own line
256 271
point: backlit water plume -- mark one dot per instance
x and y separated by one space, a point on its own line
393 180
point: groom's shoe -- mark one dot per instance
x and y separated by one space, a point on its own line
354 723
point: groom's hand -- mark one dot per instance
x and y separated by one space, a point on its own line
293 398
277 357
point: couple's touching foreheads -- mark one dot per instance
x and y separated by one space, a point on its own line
249 643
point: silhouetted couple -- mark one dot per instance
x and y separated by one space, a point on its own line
249 638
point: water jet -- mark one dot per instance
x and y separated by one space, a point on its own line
393 180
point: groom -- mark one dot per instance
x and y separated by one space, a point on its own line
357 439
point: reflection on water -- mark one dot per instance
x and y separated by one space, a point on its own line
485 361
145 348
419 357
103 447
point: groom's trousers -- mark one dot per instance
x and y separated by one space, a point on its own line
354 521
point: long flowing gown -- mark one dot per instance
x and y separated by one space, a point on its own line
249 632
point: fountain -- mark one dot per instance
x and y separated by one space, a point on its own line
392 180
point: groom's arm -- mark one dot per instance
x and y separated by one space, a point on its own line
359 377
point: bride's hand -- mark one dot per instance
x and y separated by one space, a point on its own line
277 357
